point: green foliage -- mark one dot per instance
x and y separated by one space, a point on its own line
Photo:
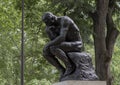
9 43
37 82
37 70
117 15
115 65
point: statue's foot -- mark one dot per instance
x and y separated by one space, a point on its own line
69 70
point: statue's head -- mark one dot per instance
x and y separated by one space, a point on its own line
49 18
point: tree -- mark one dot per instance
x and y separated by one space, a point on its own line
81 12
9 43
104 37
105 31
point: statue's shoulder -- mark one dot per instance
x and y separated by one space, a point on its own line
66 18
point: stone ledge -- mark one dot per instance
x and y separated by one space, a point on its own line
81 83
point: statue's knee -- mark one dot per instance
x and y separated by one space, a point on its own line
45 49
52 49
46 52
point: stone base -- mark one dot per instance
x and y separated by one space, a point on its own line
83 68
81 83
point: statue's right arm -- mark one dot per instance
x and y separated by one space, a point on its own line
50 33
63 32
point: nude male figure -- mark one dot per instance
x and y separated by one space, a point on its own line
65 37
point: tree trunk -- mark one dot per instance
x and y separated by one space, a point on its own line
111 37
99 21
104 40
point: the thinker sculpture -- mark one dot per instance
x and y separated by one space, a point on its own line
66 44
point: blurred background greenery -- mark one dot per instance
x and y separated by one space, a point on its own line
37 70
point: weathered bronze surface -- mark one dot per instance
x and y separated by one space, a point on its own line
66 45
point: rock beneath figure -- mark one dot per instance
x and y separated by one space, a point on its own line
84 68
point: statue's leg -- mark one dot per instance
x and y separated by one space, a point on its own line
63 57
71 46
61 50
52 60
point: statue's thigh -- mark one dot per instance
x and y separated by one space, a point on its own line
67 47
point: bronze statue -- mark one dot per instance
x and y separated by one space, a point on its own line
65 38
